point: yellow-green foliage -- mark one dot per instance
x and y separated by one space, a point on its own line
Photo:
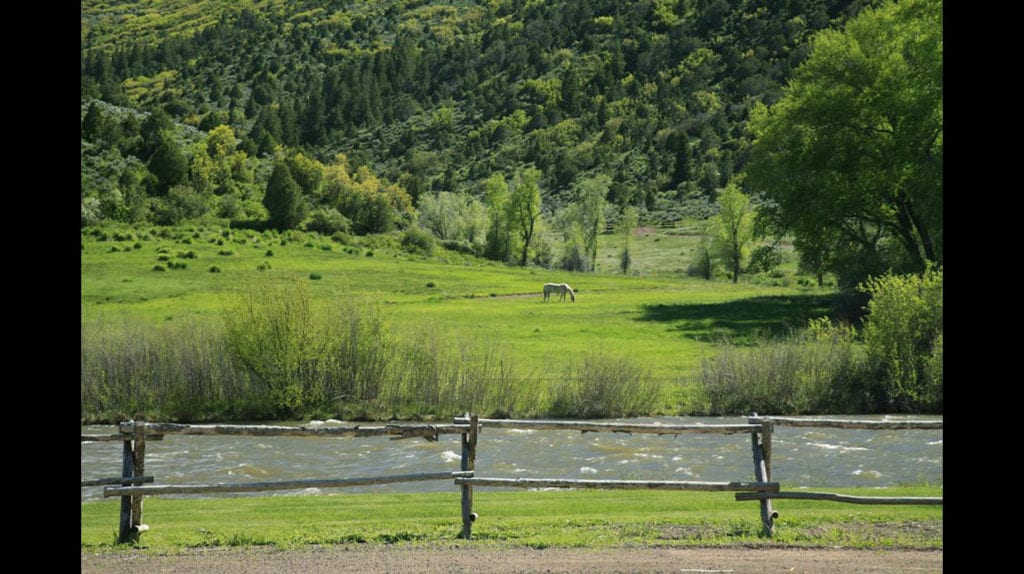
903 332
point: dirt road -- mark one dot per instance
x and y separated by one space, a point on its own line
453 560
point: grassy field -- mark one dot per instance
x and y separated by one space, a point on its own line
539 519
656 315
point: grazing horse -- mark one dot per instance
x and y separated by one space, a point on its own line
561 289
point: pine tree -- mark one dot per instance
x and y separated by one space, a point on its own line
283 199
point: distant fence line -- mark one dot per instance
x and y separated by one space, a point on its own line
133 485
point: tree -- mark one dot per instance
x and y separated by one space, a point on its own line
592 202
850 158
524 209
498 245
283 199
168 164
732 230
627 223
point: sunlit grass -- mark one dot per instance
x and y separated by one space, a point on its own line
584 518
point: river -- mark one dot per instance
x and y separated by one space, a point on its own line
814 458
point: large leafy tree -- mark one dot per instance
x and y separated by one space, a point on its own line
850 158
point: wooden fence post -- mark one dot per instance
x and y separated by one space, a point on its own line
139 469
761 445
468 464
132 464
127 472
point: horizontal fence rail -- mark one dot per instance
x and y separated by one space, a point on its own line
133 484
280 485
617 427
852 424
429 431
842 498
622 484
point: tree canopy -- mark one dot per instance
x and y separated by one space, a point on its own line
850 158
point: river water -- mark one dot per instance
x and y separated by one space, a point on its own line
813 458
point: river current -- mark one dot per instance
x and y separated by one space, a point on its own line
802 457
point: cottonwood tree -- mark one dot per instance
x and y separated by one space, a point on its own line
732 230
592 192
524 206
850 158
498 245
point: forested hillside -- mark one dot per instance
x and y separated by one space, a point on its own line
187 106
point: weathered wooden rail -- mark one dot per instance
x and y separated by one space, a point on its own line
134 434
133 485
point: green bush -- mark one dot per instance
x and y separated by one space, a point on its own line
417 240
327 222
903 334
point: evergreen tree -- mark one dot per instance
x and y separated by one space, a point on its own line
283 199
168 164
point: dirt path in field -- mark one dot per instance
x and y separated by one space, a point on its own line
461 559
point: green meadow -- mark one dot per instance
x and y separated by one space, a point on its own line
656 321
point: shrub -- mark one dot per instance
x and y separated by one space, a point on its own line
599 385
327 222
462 246
225 252
418 240
315 276
903 333
159 267
214 269
817 370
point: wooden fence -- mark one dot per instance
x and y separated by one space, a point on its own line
133 485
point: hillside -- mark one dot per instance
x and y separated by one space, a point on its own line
430 96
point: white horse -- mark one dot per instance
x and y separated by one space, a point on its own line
561 289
